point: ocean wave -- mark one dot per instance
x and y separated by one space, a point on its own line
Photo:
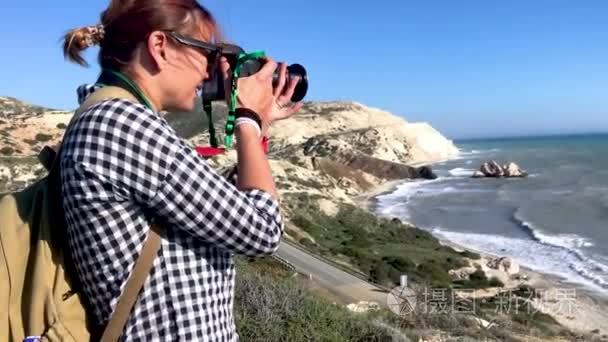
561 192
406 189
589 274
396 209
471 152
568 241
395 203
570 244
461 172
535 255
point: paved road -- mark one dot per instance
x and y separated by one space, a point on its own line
342 284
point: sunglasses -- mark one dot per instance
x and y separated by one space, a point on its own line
212 51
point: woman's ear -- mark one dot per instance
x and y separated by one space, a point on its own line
157 48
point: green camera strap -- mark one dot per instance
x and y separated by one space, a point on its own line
112 77
243 58
208 108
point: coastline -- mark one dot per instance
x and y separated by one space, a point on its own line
582 310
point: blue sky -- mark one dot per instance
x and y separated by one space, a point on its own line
470 68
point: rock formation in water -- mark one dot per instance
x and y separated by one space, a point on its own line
495 170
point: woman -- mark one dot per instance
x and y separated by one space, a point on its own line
123 166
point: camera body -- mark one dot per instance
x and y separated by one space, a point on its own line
213 89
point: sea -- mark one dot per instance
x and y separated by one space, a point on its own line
554 221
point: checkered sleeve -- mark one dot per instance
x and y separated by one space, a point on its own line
143 158
195 198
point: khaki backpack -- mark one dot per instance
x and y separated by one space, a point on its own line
39 296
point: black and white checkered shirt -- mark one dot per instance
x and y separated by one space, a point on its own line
123 165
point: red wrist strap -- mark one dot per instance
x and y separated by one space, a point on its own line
208 151
265 144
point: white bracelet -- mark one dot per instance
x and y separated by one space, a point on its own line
242 121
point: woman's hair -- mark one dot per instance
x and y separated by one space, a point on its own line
126 23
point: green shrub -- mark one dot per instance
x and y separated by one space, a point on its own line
434 274
43 137
400 263
478 280
271 308
495 282
478 276
388 248
470 255
61 125
380 273
7 151
306 242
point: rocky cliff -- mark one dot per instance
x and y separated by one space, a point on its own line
333 149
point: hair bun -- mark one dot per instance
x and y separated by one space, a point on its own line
93 35
79 39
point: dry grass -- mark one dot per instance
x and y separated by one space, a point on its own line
272 306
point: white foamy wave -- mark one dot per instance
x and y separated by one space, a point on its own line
589 274
404 190
568 241
461 172
395 203
535 255
471 152
570 244
395 209
561 192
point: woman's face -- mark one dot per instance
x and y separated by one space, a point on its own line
188 68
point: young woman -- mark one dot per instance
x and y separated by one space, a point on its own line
123 167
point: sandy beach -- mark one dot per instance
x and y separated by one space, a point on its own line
572 305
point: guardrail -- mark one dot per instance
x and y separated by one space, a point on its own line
284 262
362 276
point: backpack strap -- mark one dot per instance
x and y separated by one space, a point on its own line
143 265
127 300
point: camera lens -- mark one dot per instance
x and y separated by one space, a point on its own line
214 88
296 70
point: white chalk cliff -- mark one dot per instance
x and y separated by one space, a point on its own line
339 145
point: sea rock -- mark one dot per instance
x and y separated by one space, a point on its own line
513 170
504 264
462 273
478 174
426 172
492 169
5 172
501 268
483 323
363 306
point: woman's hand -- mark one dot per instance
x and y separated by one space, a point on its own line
283 108
257 93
